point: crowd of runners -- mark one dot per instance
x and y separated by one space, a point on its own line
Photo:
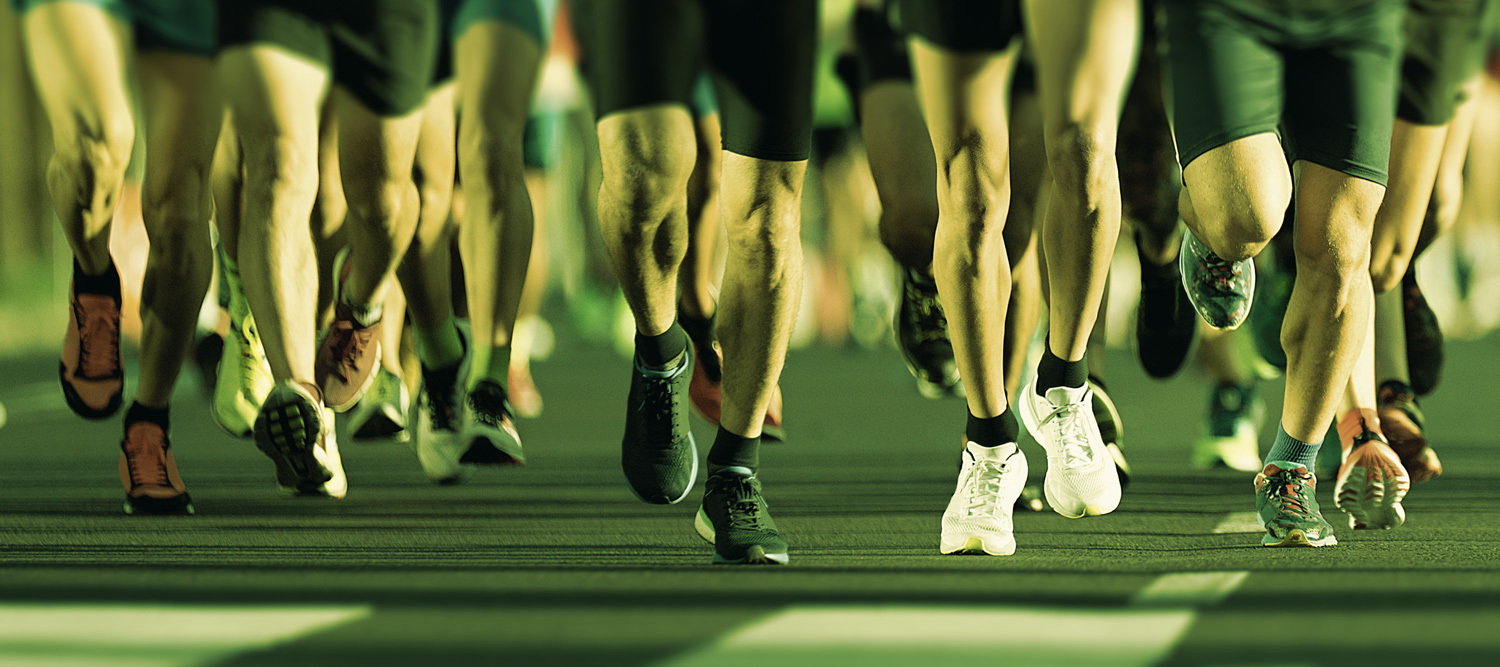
364 192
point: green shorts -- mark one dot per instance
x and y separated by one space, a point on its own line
1445 44
177 26
964 25
1321 72
381 51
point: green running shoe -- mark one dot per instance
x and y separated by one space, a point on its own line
1286 505
735 519
1219 289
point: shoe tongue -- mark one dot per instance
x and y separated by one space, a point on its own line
992 454
1060 396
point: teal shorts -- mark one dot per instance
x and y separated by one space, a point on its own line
533 17
177 26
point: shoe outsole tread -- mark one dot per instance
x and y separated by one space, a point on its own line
1296 537
288 432
975 546
1371 503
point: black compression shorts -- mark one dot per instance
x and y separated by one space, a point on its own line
641 53
381 51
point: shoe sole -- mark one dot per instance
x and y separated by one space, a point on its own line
974 546
82 409
1297 538
934 391
484 450
754 555
181 505
1371 504
1182 255
379 426
280 434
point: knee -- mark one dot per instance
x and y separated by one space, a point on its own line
97 156
1238 229
648 183
279 169
1331 264
1386 273
378 203
1081 157
490 155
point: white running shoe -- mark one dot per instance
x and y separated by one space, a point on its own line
978 520
296 431
382 411
1081 478
244 377
437 445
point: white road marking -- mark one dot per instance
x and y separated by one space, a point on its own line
1239 522
1195 589
152 635
903 635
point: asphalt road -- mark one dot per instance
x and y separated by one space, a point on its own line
557 563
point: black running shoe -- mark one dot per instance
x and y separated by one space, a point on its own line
1424 339
489 435
922 335
735 519
1165 322
658 454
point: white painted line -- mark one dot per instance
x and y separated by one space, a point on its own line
905 635
153 635
1192 589
1239 522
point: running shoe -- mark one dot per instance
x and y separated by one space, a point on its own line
1402 420
1164 322
295 430
1232 430
1220 290
705 392
349 352
91 370
488 435
148 472
735 519
382 411
208 350
978 518
1274 293
657 454
244 376
1286 505
1424 338
1111 428
439 416
1081 475
922 335
1371 481
524 396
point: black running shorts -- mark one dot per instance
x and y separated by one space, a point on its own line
881 46
639 53
964 25
381 51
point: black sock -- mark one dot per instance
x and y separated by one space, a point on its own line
1002 429
733 450
441 377
107 283
1053 371
696 328
661 350
141 413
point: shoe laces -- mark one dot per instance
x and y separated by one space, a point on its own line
982 488
146 457
489 405
98 341
658 410
743 505
442 406
927 310
1071 432
1291 494
349 343
1221 273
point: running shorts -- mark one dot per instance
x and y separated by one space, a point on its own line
1321 72
532 17
1445 44
176 26
381 51
881 45
964 25
760 53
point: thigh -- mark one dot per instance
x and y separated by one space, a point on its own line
963 97
639 53
1084 50
1341 93
1226 81
497 74
183 112
762 53
78 53
275 101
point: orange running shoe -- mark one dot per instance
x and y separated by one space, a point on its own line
1402 421
149 472
91 370
1371 481
348 353
706 394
